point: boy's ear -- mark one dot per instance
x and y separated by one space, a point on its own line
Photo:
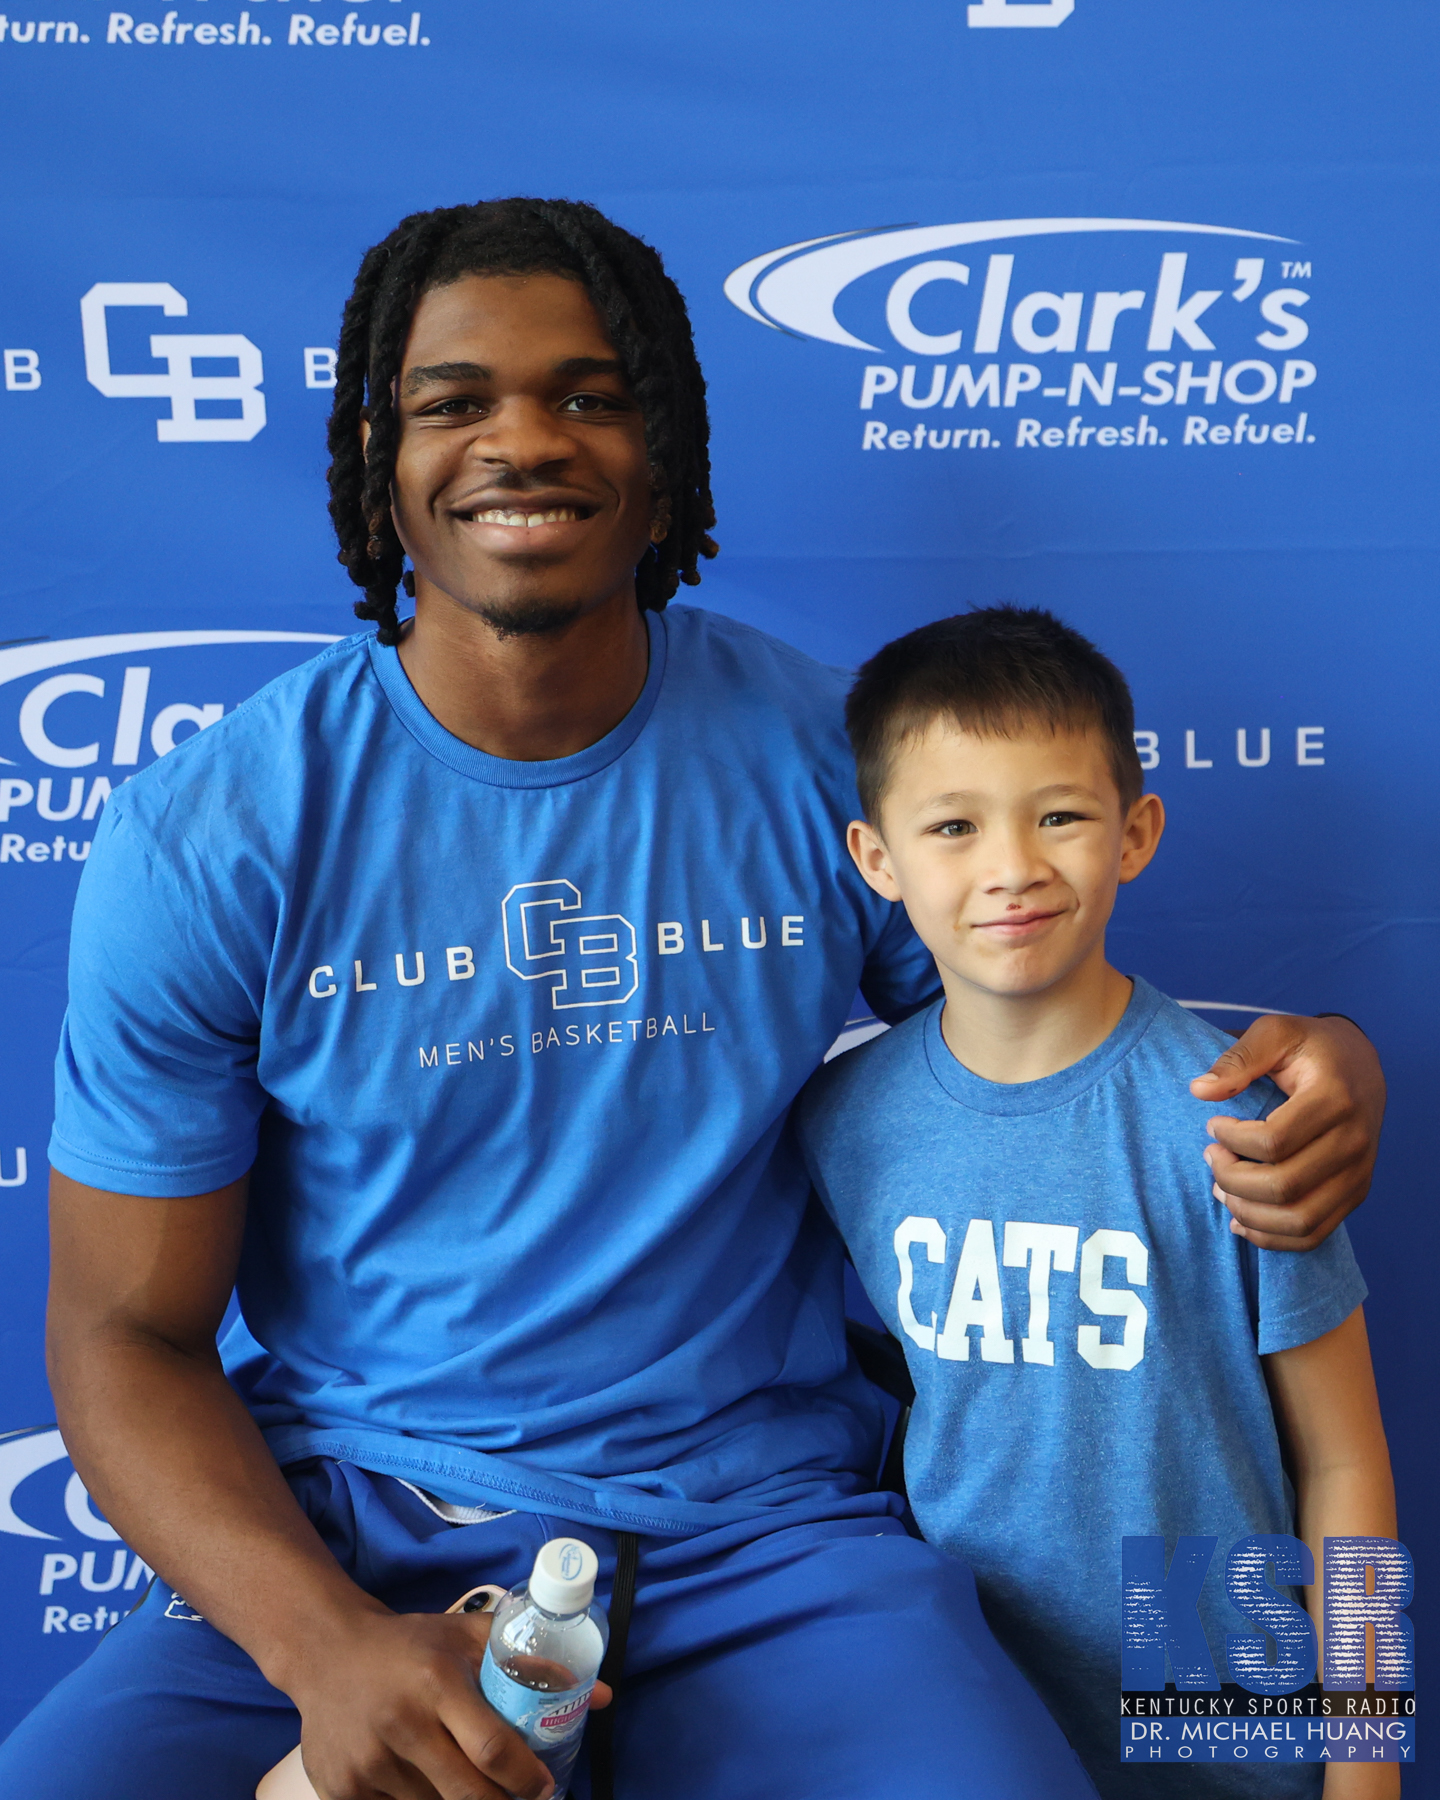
871 858
1144 824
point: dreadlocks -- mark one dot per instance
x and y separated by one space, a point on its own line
642 311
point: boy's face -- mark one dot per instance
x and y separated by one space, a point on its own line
1007 852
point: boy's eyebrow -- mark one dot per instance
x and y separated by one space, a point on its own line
1054 791
1065 787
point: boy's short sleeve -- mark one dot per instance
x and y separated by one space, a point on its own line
1302 1294
1305 1293
156 1085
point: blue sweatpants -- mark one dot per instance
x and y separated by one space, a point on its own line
823 1653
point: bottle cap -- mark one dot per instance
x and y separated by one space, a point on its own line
563 1580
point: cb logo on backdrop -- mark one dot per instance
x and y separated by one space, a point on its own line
1019 12
179 351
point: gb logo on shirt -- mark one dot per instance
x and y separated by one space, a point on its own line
588 958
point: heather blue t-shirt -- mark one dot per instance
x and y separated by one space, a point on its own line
510 1047
1084 1332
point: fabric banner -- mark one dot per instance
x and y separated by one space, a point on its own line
1110 307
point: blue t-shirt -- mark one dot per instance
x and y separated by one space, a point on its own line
510 1047
1084 1332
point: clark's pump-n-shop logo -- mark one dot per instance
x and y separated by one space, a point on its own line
78 716
1053 334
85 1577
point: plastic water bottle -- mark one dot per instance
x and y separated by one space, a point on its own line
545 1650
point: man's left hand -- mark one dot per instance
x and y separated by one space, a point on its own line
1290 1179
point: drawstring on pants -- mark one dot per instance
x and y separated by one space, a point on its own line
602 1724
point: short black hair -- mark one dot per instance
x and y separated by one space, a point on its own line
641 309
994 671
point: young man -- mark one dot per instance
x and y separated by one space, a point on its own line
1003 807
461 1041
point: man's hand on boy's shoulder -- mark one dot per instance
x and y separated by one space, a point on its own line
1289 1180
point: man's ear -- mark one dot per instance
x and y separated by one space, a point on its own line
1141 834
364 433
871 858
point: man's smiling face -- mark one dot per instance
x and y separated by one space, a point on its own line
522 487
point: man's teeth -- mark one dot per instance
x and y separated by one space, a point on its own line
558 515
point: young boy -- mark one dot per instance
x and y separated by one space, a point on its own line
1095 1353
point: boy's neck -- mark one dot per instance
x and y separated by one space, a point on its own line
1024 1037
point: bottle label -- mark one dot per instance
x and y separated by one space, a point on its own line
543 1720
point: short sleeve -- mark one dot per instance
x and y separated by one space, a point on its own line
900 975
805 1115
1305 1293
1301 1294
156 1086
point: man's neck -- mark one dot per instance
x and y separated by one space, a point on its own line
1011 1038
531 697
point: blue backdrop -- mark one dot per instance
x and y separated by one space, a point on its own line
1114 307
